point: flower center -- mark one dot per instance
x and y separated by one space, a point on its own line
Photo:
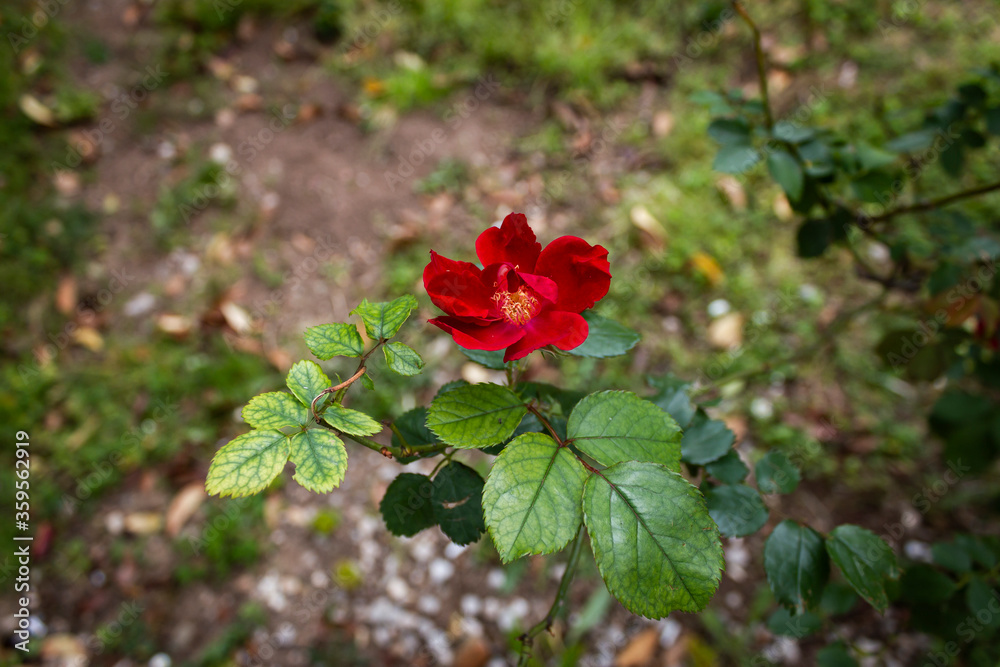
517 307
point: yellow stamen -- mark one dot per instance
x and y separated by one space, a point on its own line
517 307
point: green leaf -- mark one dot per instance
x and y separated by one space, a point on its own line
320 459
248 464
406 506
736 509
532 497
729 469
307 380
922 584
799 626
475 416
382 320
981 598
776 474
791 132
412 426
367 382
490 359
835 655
874 187
787 171
870 157
275 410
796 564
655 544
705 440
457 494
993 120
615 426
733 159
951 557
730 131
952 159
402 359
606 338
673 397
350 421
327 341
813 238
913 142
865 560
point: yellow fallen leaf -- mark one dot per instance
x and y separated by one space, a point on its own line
89 338
706 265
726 332
640 650
373 87
183 506
644 220
36 111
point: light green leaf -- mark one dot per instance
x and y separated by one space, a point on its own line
655 544
406 506
275 410
776 474
606 338
248 464
532 497
382 320
475 416
615 426
307 380
320 459
334 340
457 494
737 509
787 171
705 440
865 560
796 564
350 421
735 159
402 359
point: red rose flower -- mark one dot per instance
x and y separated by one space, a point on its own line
524 297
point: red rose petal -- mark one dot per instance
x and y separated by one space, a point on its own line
543 287
581 271
457 287
513 242
474 336
551 327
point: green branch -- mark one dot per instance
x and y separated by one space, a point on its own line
761 63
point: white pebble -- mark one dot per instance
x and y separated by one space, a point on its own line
496 578
471 605
453 551
440 570
429 605
397 589
718 308
160 660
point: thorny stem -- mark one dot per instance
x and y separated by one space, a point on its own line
761 65
576 548
545 422
338 387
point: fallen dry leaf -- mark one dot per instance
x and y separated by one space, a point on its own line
726 332
183 506
175 325
733 191
236 317
663 124
640 650
89 338
644 220
706 265
143 523
36 111
472 653
66 297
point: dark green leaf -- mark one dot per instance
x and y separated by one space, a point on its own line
952 557
953 158
796 564
835 655
787 171
734 159
492 360
729 469
730 131
838 598
475 416
776 474
673 398
736 509
457 494
913 142
406 506
792 132
981 599
655 545
993 120
865 560
972 94
332 340
705 440
813 238
870 157
797 626
922 584
874 187
606 338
